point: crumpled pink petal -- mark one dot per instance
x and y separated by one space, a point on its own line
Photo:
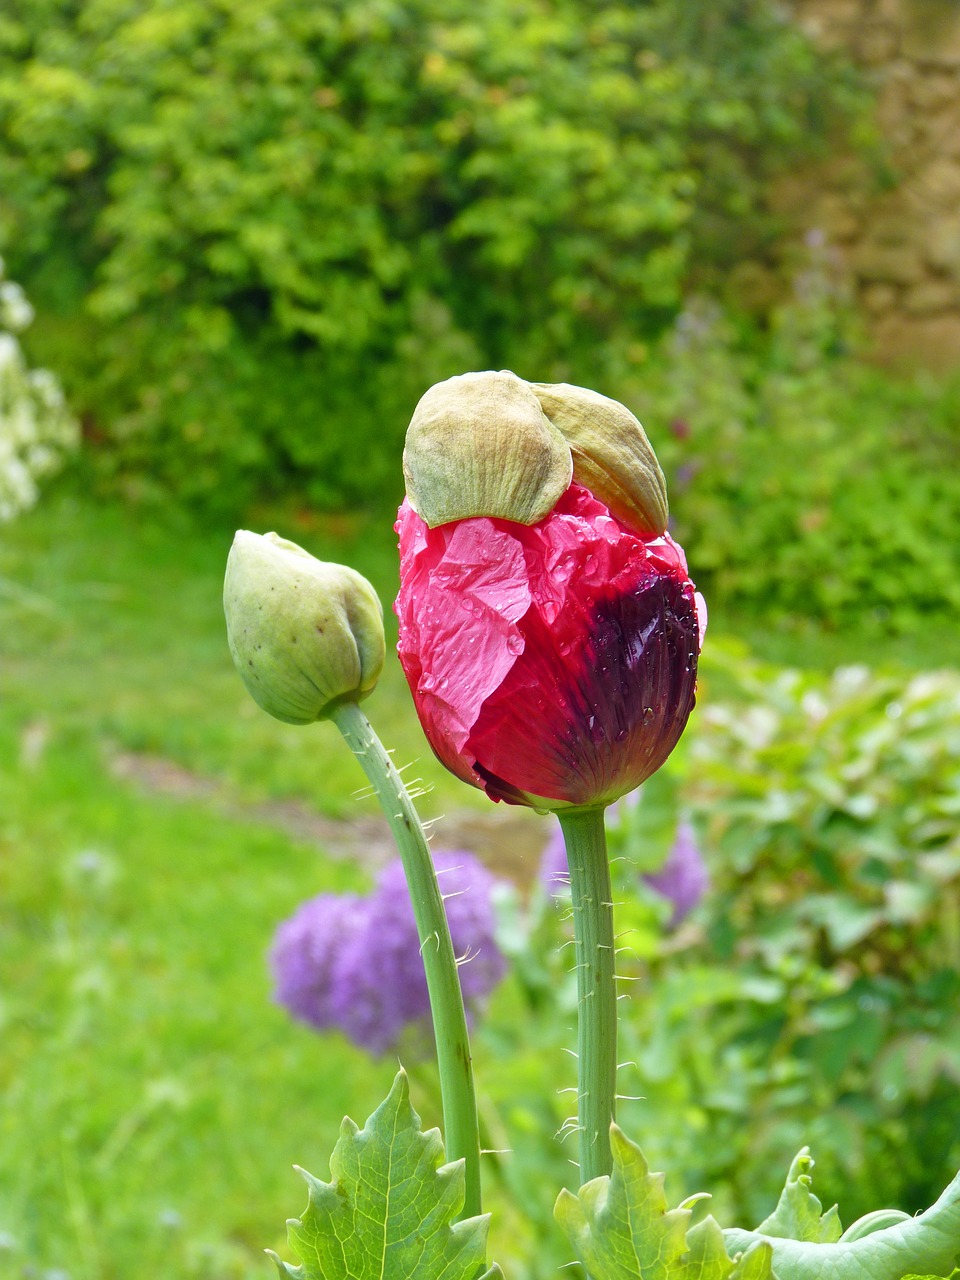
459 604
548 662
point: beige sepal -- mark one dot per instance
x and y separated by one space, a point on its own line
480 445
612 456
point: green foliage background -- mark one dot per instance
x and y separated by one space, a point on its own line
257 230
254 233
811 998
805 484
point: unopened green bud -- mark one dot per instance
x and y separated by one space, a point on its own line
480 445
612 456
305 635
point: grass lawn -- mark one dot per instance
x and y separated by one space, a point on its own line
152 1099
114 627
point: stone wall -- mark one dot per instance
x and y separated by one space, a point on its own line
896 232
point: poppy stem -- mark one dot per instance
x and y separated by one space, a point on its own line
455 1065
586 842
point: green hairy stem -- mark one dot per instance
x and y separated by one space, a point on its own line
461 1128
585 839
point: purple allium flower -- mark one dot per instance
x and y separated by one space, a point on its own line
355 964
305 953
682 880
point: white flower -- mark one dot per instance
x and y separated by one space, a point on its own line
36 426
15 311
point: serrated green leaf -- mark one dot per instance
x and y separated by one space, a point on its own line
388 1212
707 1257
755 1264
622 1229
798 1215
927 1246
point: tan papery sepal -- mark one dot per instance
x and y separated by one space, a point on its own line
480 445
612 456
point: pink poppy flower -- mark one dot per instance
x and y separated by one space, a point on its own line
554 663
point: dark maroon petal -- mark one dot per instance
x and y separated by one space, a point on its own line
587 725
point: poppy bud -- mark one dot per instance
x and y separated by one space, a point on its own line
305 635
554 662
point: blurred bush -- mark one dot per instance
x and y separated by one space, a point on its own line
813 997
802 481
829 810
258 230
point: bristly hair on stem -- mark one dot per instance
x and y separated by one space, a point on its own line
585 840
454 1061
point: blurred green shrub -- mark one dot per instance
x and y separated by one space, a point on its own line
258 230
830 811
803 481
814 995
